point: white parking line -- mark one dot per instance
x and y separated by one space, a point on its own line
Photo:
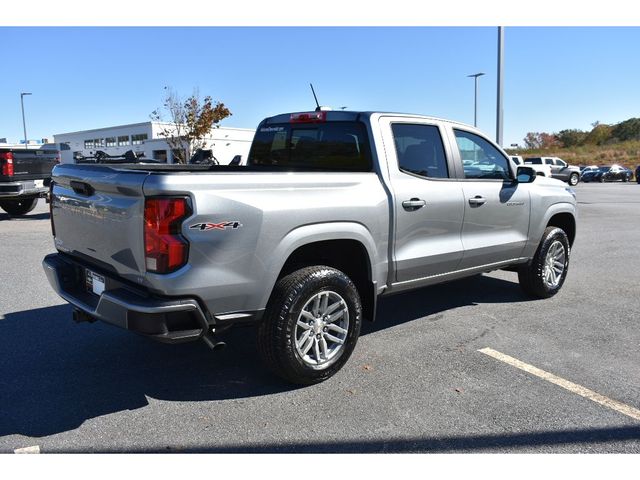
34 449
566 384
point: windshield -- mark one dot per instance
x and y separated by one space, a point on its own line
342 146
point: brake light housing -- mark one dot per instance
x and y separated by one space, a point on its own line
6 159
308 117
165 249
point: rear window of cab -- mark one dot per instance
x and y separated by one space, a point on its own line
327 146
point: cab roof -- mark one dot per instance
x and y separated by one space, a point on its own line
353 116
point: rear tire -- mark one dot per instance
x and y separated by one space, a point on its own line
544 275
19 207
307 309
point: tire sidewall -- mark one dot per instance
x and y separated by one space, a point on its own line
557 234
572 177
327 279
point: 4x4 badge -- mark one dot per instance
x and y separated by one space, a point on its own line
214 226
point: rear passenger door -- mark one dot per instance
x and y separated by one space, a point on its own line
555 169
427 199
496 208
560 169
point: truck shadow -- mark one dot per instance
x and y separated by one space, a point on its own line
55 374
35 216
404 307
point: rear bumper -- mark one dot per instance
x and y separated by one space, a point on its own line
25 188
163 319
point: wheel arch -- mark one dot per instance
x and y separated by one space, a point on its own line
567 222
345 246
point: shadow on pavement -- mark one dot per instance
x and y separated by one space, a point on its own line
55 374
404 307
471 443
35 216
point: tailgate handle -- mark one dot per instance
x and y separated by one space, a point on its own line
82 188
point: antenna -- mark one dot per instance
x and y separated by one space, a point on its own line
316 98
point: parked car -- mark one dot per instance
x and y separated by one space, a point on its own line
637 174
590 168
559 168
594 175
543 170
616 172
332 211
24 177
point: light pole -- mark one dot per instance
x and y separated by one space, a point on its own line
24 124
499 108
475 97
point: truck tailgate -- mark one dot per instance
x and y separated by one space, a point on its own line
98 215
32 164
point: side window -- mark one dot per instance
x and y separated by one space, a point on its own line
548 161
560 163
480 158
420 150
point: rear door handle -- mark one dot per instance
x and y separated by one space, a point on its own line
413 204
477 201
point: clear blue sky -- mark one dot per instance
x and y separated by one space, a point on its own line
83 78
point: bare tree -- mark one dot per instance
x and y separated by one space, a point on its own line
190 121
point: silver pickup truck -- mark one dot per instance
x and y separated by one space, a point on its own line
332 210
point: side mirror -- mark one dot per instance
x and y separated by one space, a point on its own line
525 175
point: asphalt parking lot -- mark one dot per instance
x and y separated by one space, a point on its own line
417 381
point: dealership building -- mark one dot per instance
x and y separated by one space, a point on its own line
145 138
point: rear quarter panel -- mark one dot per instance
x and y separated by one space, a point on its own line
235 269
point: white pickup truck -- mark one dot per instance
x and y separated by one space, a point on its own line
332 210
542 170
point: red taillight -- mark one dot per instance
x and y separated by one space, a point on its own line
6 159
308 117
165 248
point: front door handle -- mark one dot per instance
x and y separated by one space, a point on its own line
477 201
413 204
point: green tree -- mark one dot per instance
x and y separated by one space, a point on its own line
571 137
627 130
600 134
190 121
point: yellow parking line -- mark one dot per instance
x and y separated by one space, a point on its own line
566 384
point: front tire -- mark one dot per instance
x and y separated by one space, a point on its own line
574 178
544 275
19 207
311 325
